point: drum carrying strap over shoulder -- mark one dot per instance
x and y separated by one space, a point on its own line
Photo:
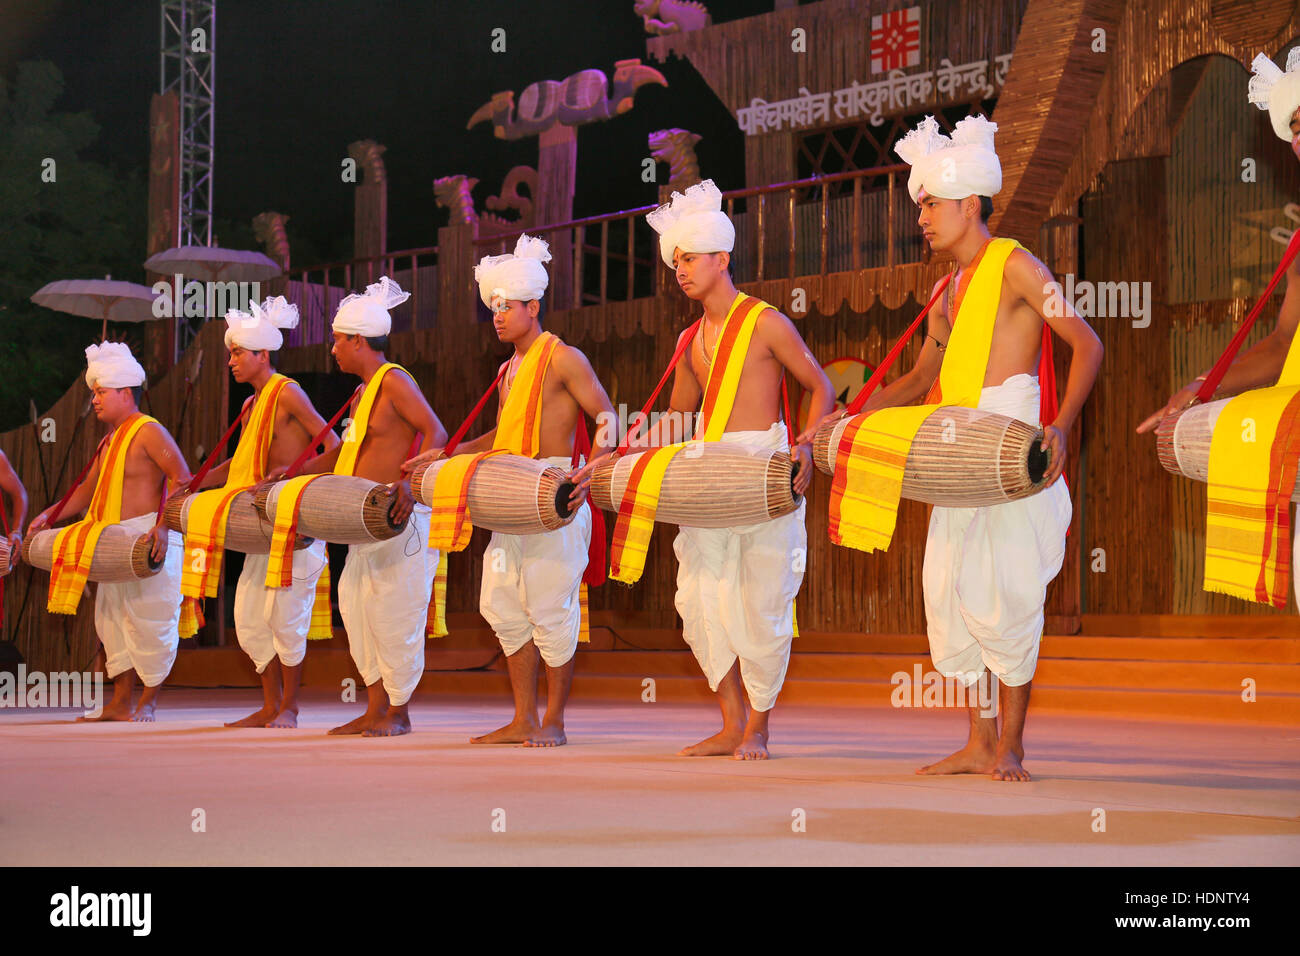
868 480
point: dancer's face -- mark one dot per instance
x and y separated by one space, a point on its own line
244 365
698 272
112 404
943 221
344 350
513 319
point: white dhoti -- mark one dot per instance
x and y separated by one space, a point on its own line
736 588
137 621
987 569
273 622
384 602
531 584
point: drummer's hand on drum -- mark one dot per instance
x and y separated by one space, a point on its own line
581 478
810 432
403 501
15 545
41 521
408 466
1053 442
802 455
1181 399
158 541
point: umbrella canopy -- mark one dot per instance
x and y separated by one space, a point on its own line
214 264
105 299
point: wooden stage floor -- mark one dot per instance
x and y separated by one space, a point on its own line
1173 793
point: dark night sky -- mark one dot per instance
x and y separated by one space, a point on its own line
297 80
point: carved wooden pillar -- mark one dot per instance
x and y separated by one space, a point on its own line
557 170
164 220
370 210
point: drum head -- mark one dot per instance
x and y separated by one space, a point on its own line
1039 460
562 506
155 565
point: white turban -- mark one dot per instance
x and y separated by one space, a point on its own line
693 221
955 168
112 365
366 313
519 276
259 328
1279 93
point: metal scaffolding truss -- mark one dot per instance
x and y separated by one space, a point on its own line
189 35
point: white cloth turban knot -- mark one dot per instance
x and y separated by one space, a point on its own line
519 276
955 168
258 329
693 221
366 313
112 365
1279 93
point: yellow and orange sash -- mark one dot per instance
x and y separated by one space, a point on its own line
519 427
636 513
74 546
868 478
279 571
518 433
205 535
210 510
1253 457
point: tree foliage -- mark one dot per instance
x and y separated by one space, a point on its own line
88 222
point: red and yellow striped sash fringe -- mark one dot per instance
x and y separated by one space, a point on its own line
450 528
322 622
1253 458
279 569
636 514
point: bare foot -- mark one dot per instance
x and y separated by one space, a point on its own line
114 711
1008 767
143 714
285 718
970 759
515 732
258 718
721 744
547 737
359 725
392 724
752 747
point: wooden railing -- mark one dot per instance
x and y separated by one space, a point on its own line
771 241
317 291
783 230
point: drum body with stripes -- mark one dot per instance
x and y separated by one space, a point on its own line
960 458
508 493
121 554
246 529
338 508
708 485
1183 441
6 557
